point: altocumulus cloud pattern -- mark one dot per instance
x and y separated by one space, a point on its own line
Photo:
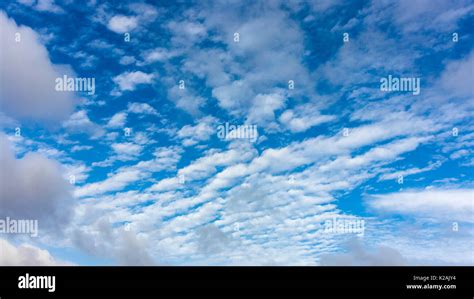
236 132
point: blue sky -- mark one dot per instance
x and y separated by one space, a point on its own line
134 173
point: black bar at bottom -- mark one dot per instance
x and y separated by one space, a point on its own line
243 282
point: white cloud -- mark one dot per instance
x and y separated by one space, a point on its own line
79 122
43 5
79 171
444 205
247 192
118 120
166 184
314 149
264 107
48 5
141 108
202 131
408 172
142 139
214 70
126 60
113 183
385 152
159 54
165 159
78 148
141 14
127 150
26 255
205 166
122 24
145 12
269 51
303 118
186 100
425 15
28 77
458 154
346 69
186 32
129 80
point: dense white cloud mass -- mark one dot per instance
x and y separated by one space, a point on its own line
445 205
28 77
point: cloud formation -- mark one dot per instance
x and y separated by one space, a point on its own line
34 188
26 255
28 77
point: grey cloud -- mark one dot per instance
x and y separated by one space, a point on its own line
211 239
33 188
28 77
123 247
457 77
358 255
